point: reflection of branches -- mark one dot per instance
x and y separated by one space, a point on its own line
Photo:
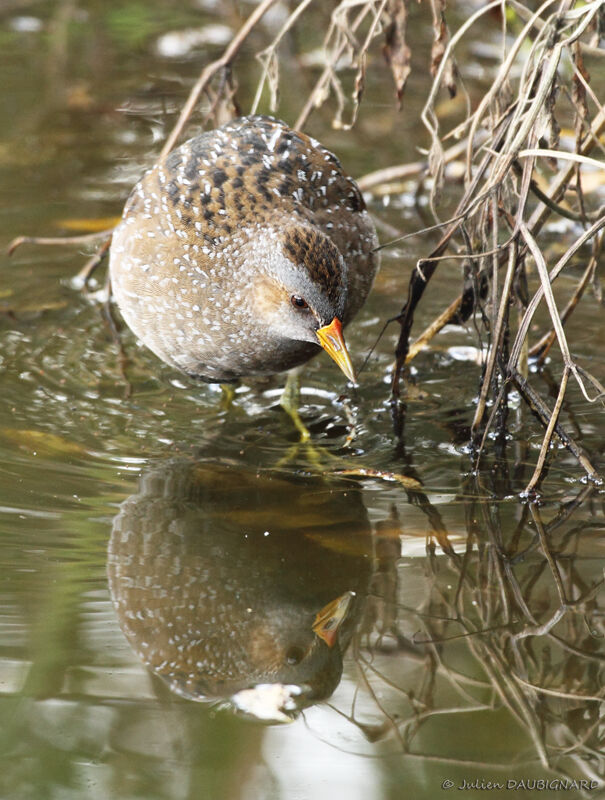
528 611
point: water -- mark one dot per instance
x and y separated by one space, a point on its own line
144 522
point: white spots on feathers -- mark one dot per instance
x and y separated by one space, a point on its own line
192 243
274 139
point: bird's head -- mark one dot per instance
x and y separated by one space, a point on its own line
302 291
285 647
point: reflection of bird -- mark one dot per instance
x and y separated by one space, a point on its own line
223 579
242 251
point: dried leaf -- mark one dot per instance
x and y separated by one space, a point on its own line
396 51
360 82
554 133
364 472
85 225
578 93
440 39
450 73
436 161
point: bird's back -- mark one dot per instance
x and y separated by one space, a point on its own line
178 264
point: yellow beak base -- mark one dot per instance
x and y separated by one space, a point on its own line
330 618
331 339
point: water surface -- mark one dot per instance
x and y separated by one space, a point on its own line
472 648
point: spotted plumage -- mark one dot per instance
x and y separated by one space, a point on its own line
211 602
219 237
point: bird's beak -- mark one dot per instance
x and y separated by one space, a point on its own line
331 339
330 618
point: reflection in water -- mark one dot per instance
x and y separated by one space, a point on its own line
512 624
234 585
507 599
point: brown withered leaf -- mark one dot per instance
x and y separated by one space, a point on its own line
366 472
553 127
440 38
578 93
360 83
450 73
396 51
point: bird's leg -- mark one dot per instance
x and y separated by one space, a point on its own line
351 416
228 395
290 402
317 457
109 319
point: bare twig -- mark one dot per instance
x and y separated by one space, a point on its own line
211 70
57 241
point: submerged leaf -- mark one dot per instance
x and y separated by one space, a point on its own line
32 307
86 225
41 442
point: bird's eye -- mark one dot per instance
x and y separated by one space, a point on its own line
298 302
294 655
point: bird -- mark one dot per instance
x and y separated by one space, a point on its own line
225 580
243 253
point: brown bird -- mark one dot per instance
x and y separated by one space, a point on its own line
225 580
244 251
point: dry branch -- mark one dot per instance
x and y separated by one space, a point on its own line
499 190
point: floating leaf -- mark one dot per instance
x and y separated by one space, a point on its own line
365 472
